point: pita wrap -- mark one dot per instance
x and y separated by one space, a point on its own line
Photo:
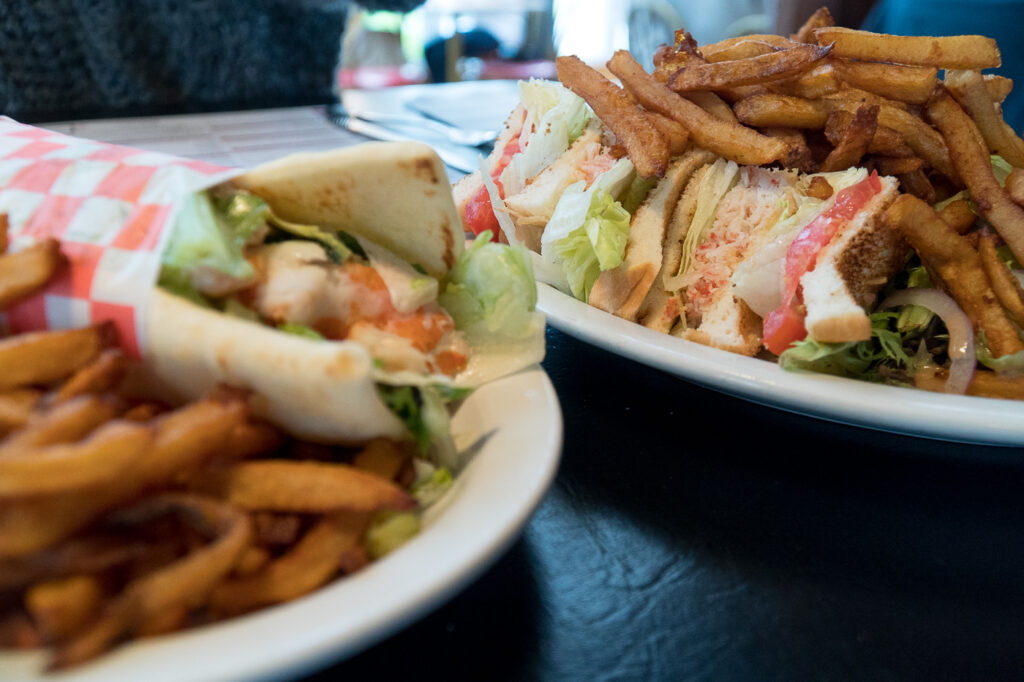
395 196
321 391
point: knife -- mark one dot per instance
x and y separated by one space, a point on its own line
460 158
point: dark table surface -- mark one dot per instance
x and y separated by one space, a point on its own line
691 535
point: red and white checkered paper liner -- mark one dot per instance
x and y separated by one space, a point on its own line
111 207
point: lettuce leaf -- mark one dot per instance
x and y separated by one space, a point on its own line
431 483
491 293
211 236
587 232
1010 364
301 330
389 530
555 117
718 180
598 244
424 411
337 249
855 359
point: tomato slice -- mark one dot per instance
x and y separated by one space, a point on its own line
785 325
479 214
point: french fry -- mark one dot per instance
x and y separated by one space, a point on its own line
307 566
926 142
819 188
999 87
854 97
731 140
185 582
107 453
184 439
820 19
1004 284
101 375
898 165
917 183
812 84
25 272
984 384
752 71
668 60
892 81
275 530
951 259
713 104
799 155
734 48
886 141
972 162
968 88
941 52
1015 186
381 457
16 407
305 487
675 134
782 111
958 215
63 606
43 357
83 555
646 145
855 141
731 50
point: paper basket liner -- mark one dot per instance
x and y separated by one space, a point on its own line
110 206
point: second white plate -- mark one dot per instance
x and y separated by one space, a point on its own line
887 408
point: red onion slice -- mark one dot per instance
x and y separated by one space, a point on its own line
961 332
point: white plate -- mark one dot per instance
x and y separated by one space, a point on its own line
887 408
480 517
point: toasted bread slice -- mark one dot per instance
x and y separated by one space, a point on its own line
531 209
660 308
622 290
850 271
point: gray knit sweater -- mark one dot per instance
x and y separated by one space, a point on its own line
66 59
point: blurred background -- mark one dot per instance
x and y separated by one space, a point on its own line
456 40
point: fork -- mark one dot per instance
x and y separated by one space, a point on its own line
463 138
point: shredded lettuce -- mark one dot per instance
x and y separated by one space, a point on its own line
1001 168
555 117
389 530
715 183
856 359
491 293
337 249
587 232
915 317
431 484
234 308
424 411
301 330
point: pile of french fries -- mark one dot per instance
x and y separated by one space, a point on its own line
123 517
829 98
